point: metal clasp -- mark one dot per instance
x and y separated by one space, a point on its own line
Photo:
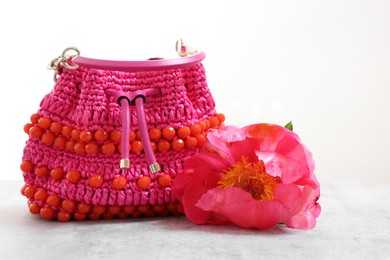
184 50
56 64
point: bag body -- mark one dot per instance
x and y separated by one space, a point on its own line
72 162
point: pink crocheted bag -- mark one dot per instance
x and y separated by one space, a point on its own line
111 136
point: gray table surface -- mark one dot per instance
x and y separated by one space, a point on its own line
354 224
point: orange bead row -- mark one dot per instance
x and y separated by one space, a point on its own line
86 142
97 180
64 210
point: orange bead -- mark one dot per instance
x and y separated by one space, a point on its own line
136 146
27 127
113 210
46 212
35 118
108 148
79 148
35 132
122 215
191 142
75 134
57 173
135 214
144 182
207 122
150 213
164 180
48 138
68 205
119 182
41 195
27 166
30 191
163 213
143 208
107 216
201 139
67 131
73 176
115 136
93 216
168 132
44 122
158 208
86 136
163 146
155 134
41 171
213 121
195 129
221 118
98 209
128 209
183 132
22 189
34 208
69 145
91 148
202 125
133 136
177 144
171 207
60 141
53 200
78 216
154 146
101 135
56 127
96 180
83 207
63 216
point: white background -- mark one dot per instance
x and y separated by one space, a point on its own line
323 64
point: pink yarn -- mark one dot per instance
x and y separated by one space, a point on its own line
79 99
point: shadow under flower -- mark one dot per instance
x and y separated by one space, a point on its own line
182 224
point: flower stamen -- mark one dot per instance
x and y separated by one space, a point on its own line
251 177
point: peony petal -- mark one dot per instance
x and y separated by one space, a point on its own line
241 209
279 165
227 134
191 195
245 148
303 220
294 198
268 134
202 172
206 160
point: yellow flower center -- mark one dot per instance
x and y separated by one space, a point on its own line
252 178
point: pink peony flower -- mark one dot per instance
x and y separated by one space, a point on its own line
254 177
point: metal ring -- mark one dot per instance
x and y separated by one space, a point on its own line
64 56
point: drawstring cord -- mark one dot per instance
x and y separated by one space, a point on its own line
137 99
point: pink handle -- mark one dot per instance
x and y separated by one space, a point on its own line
133 66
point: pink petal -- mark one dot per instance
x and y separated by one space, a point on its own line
303 220
191 195
201 173
268 134
227 134
241 209
279 165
